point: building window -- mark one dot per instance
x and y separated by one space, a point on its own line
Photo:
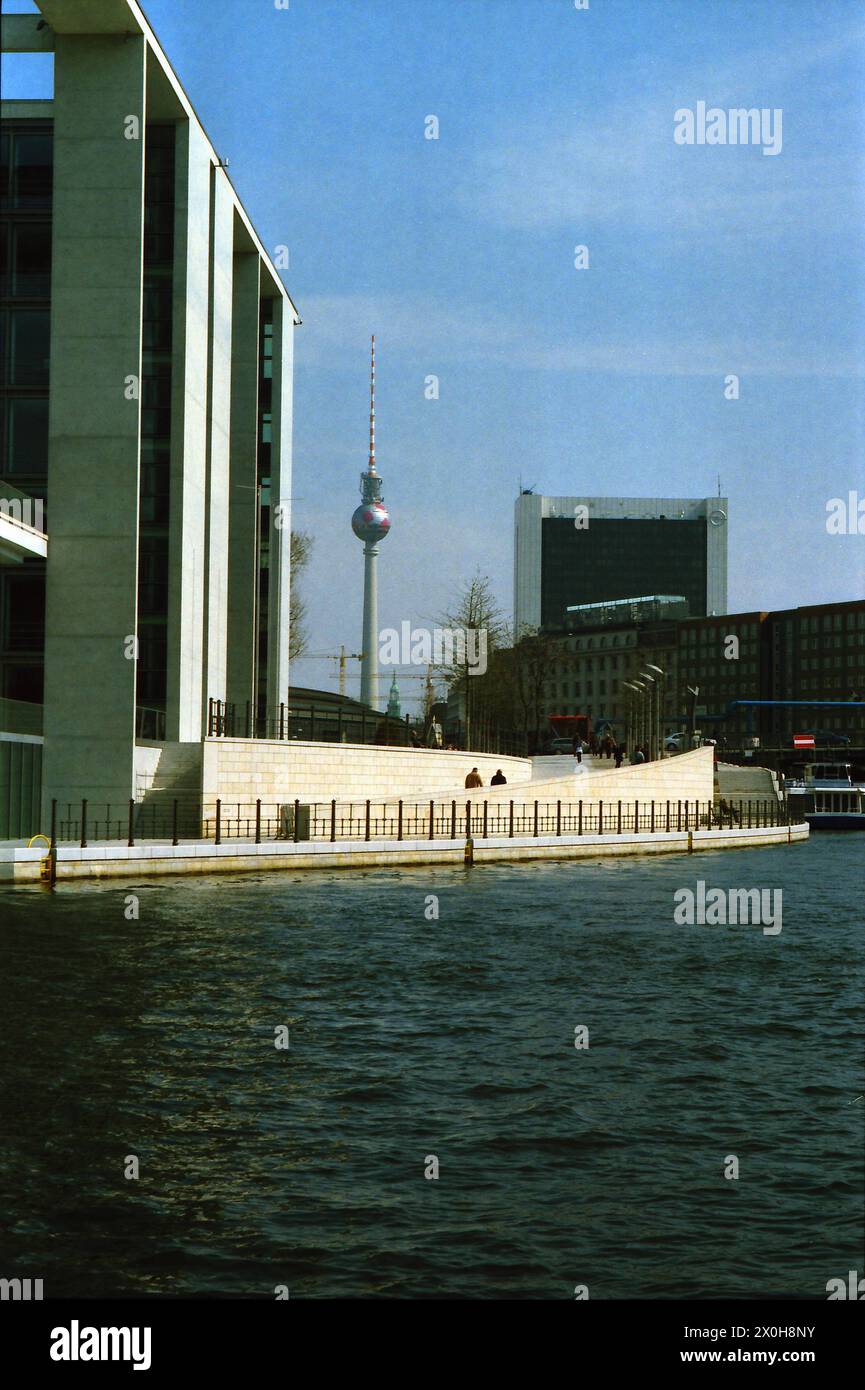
24 611
25 260
25 434
25 170
24 347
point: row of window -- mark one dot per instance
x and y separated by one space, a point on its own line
155 478
827 643
827 622
733 673
712 638
816 683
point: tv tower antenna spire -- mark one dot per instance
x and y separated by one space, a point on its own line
372 408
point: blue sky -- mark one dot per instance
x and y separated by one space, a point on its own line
556 128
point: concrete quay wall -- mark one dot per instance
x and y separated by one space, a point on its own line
22 866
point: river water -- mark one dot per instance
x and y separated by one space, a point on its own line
413 1039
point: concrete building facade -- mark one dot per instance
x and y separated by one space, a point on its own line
809 660
592 665
578 550
146 402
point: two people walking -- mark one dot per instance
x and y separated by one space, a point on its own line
474 779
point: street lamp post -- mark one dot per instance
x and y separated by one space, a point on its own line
650 692
693 691
640 713
644 691
659 703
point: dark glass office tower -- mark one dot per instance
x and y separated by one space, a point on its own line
615 559
574 550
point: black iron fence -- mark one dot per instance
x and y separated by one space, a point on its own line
352 724
322 724
207 819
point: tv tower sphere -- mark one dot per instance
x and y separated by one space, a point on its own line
371 522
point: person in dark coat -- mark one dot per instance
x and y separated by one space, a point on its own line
620 753
500 780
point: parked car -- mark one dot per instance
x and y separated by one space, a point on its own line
825 736
564 745
674 743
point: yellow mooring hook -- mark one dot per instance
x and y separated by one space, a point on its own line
47 871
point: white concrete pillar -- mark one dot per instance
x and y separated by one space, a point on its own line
279 580
219 438
94 422
187 563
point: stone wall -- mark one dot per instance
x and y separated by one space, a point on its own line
244 769
685 777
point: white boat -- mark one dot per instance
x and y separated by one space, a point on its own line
827 797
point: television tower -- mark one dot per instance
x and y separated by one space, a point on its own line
370 523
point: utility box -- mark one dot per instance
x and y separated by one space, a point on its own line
287 829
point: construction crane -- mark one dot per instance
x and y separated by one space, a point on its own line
342 656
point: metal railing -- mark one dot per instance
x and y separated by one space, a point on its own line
340 724
216 819
322 724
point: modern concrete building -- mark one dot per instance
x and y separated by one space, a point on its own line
578 550
145 399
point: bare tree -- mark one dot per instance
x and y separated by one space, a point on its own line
301 549
478 617
533 656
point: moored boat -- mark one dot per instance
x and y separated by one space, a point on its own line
827 797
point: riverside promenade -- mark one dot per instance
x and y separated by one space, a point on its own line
579 811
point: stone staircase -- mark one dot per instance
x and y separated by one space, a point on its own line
177 777
746 784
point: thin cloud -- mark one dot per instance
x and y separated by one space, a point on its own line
620 166
336 326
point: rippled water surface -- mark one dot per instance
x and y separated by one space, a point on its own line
453 1037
